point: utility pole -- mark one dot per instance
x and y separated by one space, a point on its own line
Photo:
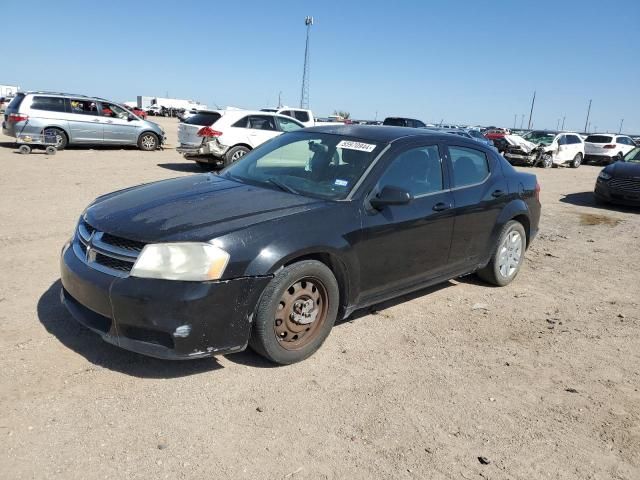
558 125
280 99
304 93
586 123
563 119
515 119
620 129
533 101
522 121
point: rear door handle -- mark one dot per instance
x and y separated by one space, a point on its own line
440 206
497 193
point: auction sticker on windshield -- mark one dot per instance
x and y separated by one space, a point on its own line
350 145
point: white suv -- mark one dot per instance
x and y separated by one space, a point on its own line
305 117
217 138
607 147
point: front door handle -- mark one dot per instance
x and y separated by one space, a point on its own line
497 193
440 206
97 120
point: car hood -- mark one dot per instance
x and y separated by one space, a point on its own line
624 169
193 208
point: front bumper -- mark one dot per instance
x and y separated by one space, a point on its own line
161 318
521 159
612 195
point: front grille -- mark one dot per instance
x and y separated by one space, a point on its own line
630 185
106 252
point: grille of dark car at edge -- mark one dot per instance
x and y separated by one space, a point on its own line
625 184
106 252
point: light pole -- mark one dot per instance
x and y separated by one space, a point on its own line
558 125
533 101
563 119
586 123
515 118
304 94
522 121
620 129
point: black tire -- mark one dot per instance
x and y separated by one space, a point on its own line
619 157
51 150
264 339
61 137
148 142
492 273
234 154
24 149
577 161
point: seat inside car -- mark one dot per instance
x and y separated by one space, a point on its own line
465 171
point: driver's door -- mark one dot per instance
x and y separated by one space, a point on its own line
118 129
403 245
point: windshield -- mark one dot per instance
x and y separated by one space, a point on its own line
633 156
546 138
307 163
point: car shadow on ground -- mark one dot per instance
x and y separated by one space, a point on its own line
58 322
586 199
190 167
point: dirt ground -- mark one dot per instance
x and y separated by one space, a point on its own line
540 378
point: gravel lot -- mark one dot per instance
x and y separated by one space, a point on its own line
541 377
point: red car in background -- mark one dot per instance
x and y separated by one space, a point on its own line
139 112
496 133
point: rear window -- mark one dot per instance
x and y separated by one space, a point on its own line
205 119
301 116
599 139
15 103
49 104
395 122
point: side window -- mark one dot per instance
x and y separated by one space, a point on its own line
82 107
301 116
287 113
113 111
261 122
287 125
242 123
470 166
562 140
418 170
419 124
49 104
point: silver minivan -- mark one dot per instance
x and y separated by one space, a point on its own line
77 119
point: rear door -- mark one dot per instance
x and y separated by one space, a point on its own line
85 122
258 129
188 130
480 192
118 129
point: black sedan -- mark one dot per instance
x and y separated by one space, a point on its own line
620 181
299 233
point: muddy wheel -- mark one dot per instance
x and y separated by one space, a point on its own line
295 313
25 149
507 257
50 150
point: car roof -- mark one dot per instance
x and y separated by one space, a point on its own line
383 133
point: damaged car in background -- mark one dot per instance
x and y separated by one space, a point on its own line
545 148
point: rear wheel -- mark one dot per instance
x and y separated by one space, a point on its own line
577 161
148 142
295 313
61 137
507 257
234 154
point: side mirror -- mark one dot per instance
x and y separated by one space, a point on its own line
390 195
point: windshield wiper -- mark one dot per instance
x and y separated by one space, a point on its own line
282 186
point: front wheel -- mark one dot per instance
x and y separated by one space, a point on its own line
547 160
577 161
148 141
295 313
507 257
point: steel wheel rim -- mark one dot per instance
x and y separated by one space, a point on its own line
59 139
289 329
510 254
577 160
148 141
237 155
547 161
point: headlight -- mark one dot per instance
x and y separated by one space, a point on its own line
181 261
604 175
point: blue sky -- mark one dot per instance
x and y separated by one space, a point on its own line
463 61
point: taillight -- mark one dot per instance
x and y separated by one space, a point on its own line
609 146
208 132
16 117
537 191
